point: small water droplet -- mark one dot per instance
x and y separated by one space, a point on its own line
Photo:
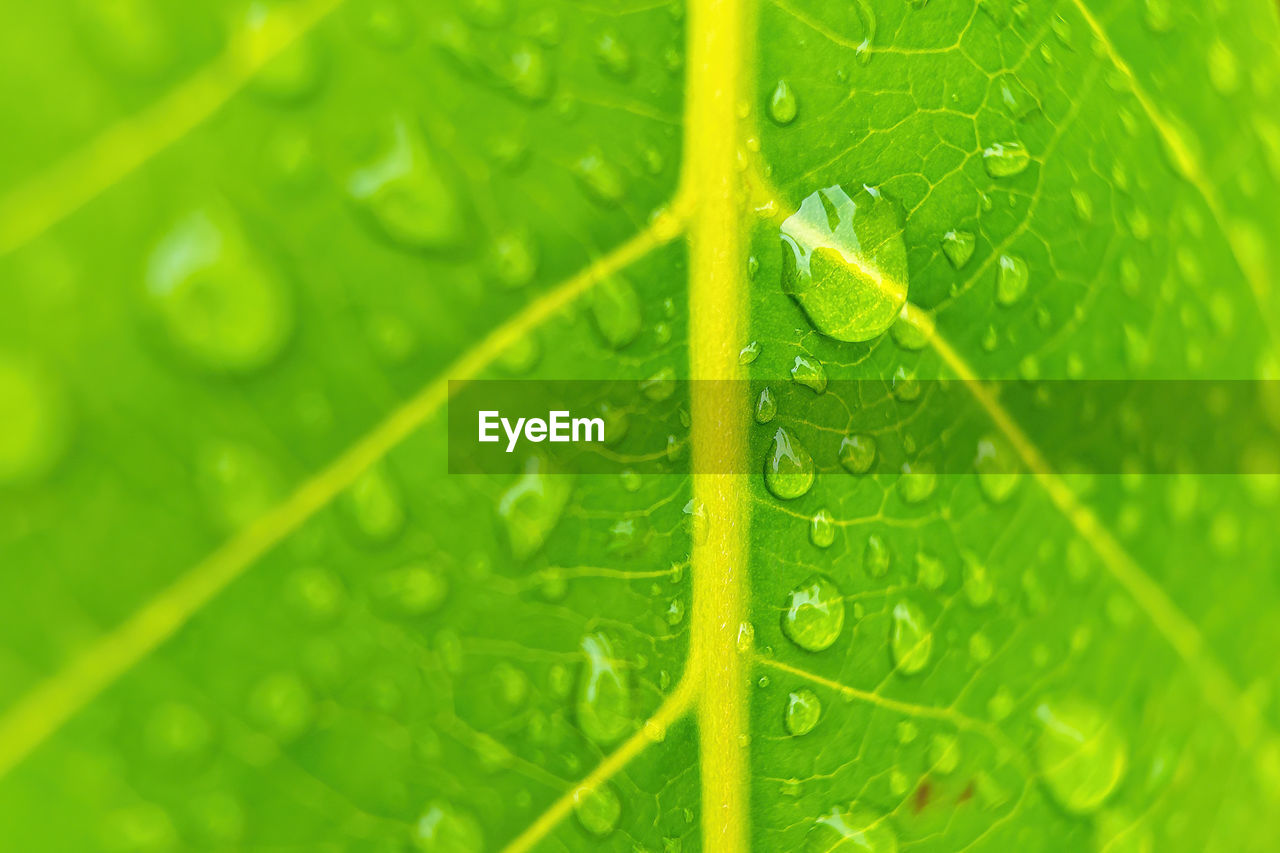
803 711
978 587
1015 97
217 302
766 407
513 258
415 589
1011 279
749 353
910 638
1005 159
844 261
857 453
1081 755
613 54
445 828
822 529
603 704
615 307
598 809
602 180
782 103
405 195
944 754
917 483
930 572
958 246
810 373
814 614
532 506
282 705
237 482
788 469
876 557
375 505
998 469
854 829
906 387
746 637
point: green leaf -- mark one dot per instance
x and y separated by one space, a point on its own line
246 249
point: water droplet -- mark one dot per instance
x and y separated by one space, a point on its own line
1015 97
906 387
855 830
978 587
980 648
910 638
810 373
1224 68
822 529
237 482
1005 159
598 809
675 612
944 754
782 103
1082 757
803 711
911 331
602 180
282 704
845 262
917 483
529 73
316 593
613 54
216 301
930 572
814 614
998 469
857 453
615 307
375 505
788 469
1011 279
749 353
445 828
746 637
513 258
412 590
660 386
876 557
34 422
958 246
532 506
405 195
766 407
603 703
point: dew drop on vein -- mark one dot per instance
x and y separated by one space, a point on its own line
844 261
598 809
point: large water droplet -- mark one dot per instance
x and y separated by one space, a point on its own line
1005 159
1081 755
405 195
788 469
854 830
782 103
1011 279
216 301
445 828
803 711
845 262
910 638
814 614
615 307
532 506
34 422
603 705
598 809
